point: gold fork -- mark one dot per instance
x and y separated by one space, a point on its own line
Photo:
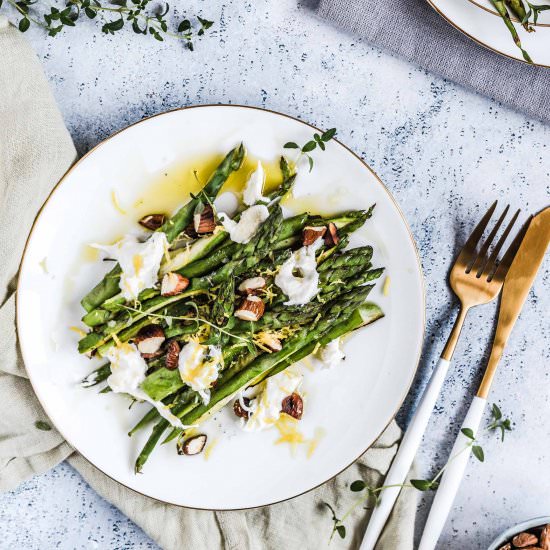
476 278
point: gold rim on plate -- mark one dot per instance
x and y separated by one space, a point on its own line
480 42
384 188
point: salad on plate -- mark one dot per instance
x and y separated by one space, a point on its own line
205 309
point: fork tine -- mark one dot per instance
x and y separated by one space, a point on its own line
492 262
468 250
499 270
481 259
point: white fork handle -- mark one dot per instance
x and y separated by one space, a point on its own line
401 464
452 477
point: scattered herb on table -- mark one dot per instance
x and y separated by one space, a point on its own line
139 14
318 140
371 495
41 425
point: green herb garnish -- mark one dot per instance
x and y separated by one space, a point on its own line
318 140
41 425
115 15
372 494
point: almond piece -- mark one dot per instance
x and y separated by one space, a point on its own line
238 408
293 405
192 446
311 234
523 540
252 285
173 283
153 221
149 341
251 309
204 221
545 538
173 349
331 236
190 231
272 342
507 546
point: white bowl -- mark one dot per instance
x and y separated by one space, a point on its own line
516 529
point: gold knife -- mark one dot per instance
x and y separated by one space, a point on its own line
517 283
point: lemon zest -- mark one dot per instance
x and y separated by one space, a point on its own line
116 204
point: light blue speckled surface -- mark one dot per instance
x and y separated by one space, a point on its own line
444 152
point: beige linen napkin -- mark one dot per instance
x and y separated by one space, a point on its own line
35 151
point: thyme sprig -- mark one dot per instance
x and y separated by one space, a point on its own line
195 319
371 495
141 15
499 423
318 140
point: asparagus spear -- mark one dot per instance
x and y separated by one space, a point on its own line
163 382
231 163
245 256
224 304
127 325
97 376
289 227
109 286
500 6
518 9
343 321
337 311
365 314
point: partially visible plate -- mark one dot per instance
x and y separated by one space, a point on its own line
542 21
350 405
478 20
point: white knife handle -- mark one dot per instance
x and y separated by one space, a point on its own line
401 464
452 477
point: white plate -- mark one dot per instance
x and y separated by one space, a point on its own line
352 404
479 21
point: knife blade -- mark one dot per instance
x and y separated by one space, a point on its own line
517 284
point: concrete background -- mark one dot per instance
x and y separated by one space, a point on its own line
444 152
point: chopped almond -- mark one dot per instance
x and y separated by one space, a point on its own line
172 355
523 540
311 234
153 221
331 236
149 340
252 285
272 342
193 445
173 283
251 309
293 405
204 221
238 408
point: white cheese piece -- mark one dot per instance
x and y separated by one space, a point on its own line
254 186
267 405
128 371
249 222
298 277
199 367
331 355
140 262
